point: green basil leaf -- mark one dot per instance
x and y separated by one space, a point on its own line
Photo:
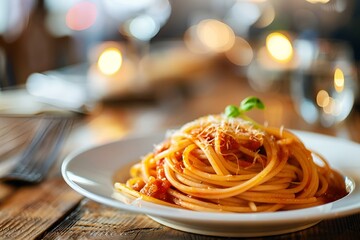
250 103
232 111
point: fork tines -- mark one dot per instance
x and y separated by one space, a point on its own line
42 152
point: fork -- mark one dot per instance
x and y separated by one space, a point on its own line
41 153
14 135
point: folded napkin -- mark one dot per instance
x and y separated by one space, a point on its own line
19 102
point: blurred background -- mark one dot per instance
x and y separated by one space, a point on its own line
74 54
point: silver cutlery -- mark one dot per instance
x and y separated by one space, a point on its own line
42 151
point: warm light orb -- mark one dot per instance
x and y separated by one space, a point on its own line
192 42
110 61
279 47
267 17
322 98
331 108
339 80
215 35
241 53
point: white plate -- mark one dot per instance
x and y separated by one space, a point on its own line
90 172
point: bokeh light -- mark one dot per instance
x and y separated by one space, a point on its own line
81 16
339 80
330 108
192 41
279 47
142 27
241 53
209 36
215 35
267 16
110 61
242 15
322 98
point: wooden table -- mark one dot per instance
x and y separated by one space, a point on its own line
52 210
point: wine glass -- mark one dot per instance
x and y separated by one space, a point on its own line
324 85
138 21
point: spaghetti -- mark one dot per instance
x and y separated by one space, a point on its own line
217 163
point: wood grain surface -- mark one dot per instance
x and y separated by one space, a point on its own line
32 210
